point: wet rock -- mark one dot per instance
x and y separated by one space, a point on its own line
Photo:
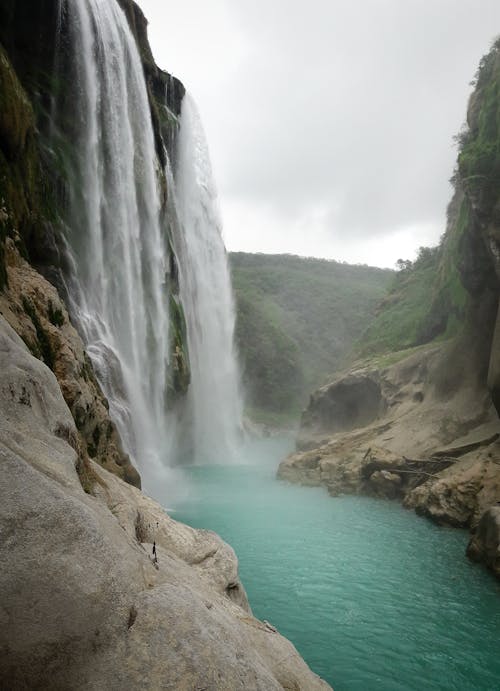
33 307
386 484
353 400
484 545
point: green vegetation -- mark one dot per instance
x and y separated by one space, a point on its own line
179 374
296 320
429 298
425 301
479 155
26 196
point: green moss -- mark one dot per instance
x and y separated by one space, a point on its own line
16 115
179 372
27 195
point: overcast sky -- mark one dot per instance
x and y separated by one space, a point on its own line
330 122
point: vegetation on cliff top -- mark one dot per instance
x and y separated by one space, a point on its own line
426 300
479 154
429 297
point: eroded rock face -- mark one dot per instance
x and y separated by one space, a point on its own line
84 606
484 545
351 401
33 308
435 448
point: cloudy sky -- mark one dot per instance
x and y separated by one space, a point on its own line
330 122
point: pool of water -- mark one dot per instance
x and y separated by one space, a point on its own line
372 596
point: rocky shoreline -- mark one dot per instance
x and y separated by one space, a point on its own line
436 451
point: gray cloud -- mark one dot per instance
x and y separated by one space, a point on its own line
342 110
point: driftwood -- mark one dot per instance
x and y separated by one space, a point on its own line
458 451
419 470
396 471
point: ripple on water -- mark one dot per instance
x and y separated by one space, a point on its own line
373 597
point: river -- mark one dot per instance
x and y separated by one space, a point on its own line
372 596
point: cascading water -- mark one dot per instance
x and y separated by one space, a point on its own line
120 258
214 405
119 287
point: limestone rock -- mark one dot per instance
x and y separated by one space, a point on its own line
460 494
436 450
484 545
84 606
386 484
33 307
351 401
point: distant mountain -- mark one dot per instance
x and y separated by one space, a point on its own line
297 319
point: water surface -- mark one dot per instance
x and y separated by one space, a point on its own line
373 597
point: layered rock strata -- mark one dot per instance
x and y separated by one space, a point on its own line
433 446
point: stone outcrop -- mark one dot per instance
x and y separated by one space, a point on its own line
484 545
33 307
84 603
435 447
353 400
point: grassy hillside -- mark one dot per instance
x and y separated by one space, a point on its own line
426 299
296 320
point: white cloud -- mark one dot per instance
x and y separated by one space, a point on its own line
330 122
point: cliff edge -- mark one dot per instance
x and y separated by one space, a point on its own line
85 605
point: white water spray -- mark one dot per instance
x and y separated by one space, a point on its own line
119 256
214 403
119 291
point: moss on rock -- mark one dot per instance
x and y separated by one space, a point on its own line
179 372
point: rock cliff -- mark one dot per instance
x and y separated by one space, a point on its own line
425 428
85 605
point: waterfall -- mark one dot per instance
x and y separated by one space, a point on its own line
119 257
214 405
118 248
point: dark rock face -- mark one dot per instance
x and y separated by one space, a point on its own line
165 91
478 175
351 401
484 545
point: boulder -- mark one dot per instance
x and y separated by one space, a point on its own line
386 484
353 400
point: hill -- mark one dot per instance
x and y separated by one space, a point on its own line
297 318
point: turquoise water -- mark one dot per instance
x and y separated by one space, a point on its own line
372 596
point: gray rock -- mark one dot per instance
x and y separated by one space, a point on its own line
484 545
83 604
